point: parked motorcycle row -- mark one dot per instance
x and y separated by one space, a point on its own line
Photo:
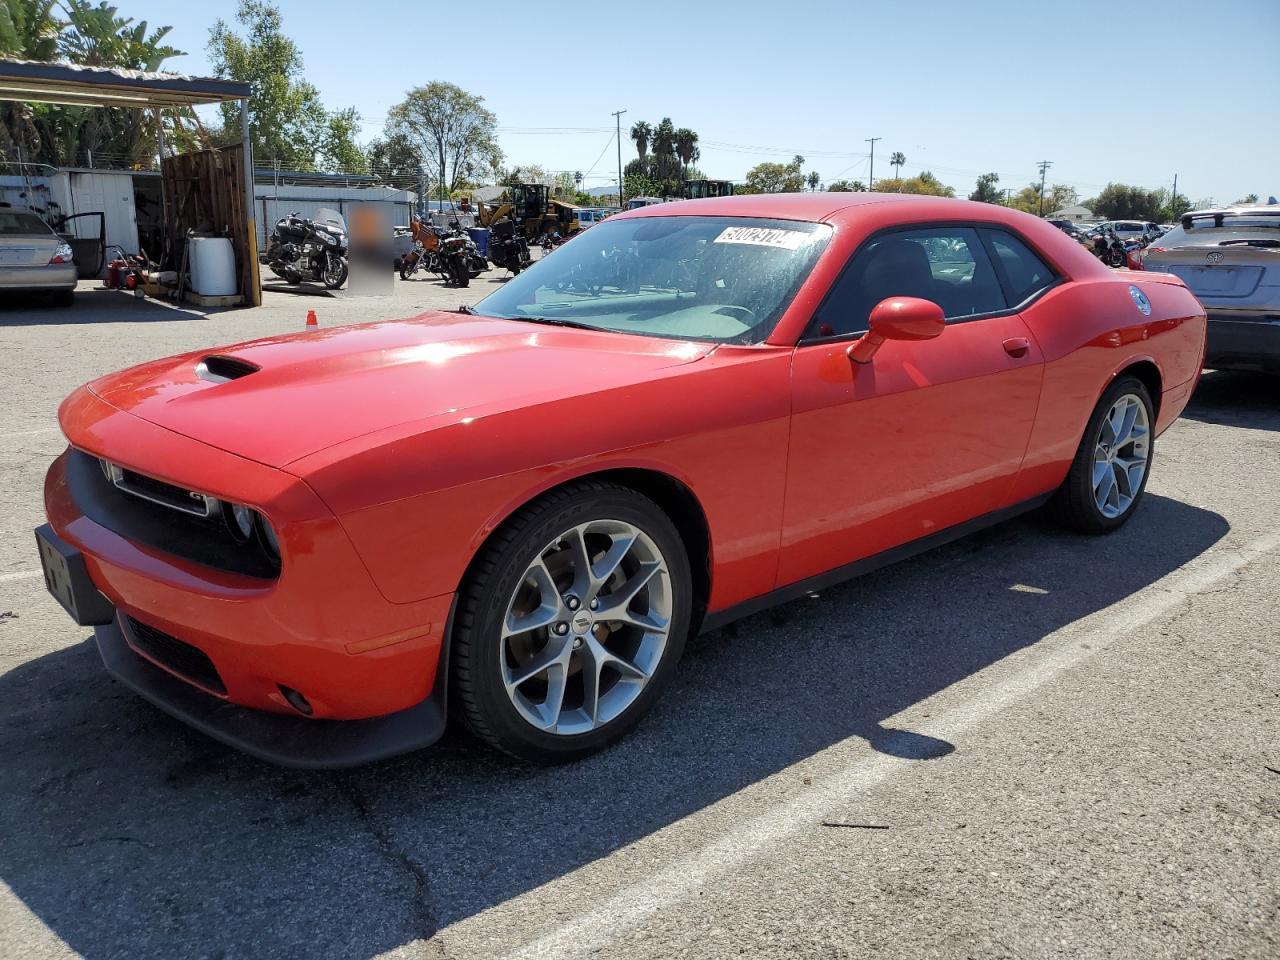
452 254
1108 246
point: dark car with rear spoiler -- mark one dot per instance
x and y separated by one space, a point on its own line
1230 259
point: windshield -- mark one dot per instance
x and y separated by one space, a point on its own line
331 217
723 279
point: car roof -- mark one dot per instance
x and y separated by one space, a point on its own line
809 206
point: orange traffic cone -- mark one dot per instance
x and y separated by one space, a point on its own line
311 319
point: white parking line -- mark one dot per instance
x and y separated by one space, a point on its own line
21 575
629 907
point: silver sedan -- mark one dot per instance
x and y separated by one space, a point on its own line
33 258
1230 259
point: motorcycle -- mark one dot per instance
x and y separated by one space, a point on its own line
301 248
1109 248
550 241
508 247
460 257
425 254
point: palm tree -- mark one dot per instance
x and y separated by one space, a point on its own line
896 161
814 180
577 179
686 145
858 186
641 133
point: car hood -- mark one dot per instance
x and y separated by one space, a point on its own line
283 398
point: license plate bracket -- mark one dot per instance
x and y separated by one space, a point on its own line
67 580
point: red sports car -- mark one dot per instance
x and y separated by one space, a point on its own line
307 545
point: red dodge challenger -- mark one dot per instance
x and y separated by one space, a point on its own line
306 546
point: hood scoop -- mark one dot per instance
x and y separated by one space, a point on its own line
217 368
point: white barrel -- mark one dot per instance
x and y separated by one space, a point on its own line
213 266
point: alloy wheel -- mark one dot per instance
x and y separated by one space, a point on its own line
586 627
1120 457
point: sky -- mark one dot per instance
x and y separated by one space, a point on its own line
1106 91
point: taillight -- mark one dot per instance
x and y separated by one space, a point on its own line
62 254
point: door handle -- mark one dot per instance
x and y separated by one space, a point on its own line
1017 347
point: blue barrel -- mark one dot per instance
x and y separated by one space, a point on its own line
480 237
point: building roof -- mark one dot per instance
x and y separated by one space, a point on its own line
38 82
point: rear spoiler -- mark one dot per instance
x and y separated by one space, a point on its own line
1218 216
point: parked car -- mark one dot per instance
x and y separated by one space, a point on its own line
34 259
1070 228
308 545
1140 230
1230 259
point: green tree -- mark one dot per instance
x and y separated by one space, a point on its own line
924 183
896 161
287 121
338 148
686 146
847 186
776 177
814 179
28 31
641 134
1119 201
90 35
394 158
451 128
1248 200
986 190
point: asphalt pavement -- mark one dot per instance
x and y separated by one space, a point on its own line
1024 744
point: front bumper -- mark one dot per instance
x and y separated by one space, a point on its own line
228 640
59 276
289 741
1245 344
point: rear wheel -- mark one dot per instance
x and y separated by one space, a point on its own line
571 623
1109 473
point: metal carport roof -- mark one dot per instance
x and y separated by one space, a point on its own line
104 87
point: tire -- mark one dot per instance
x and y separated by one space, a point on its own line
483 660
458 271
1115 258
1076 503
335 277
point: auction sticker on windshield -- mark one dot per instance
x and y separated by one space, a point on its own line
765 237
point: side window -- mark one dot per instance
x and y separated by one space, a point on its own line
1026 274
945 264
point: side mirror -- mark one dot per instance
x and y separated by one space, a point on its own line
898 318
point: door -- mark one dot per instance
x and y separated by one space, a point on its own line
112 194
927 435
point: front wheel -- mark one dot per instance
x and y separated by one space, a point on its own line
458 271
571 623
335 272
1116 257
1109 473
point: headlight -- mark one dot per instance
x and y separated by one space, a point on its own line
239 520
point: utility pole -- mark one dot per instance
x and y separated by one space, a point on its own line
1006 196
1044 166
617 117
1173 200
871 176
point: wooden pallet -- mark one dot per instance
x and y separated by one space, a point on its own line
232 300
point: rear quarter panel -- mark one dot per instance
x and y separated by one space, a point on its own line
1092 330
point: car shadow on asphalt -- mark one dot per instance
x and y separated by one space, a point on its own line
93 305
129 835
1236 398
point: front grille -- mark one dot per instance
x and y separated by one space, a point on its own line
182 658
165 494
